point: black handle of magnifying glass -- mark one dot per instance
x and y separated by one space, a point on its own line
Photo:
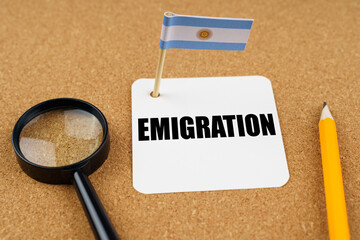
95 212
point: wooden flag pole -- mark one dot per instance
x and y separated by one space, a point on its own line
159 71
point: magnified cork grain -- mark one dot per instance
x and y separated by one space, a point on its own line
95 50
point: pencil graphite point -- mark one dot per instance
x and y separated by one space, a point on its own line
326 112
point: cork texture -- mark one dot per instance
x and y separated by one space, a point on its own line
95 50
60 137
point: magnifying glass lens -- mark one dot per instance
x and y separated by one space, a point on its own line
61 137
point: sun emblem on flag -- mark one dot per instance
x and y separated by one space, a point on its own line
204 34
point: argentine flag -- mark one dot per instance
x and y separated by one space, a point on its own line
212 33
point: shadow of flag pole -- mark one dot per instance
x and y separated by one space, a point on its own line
155 93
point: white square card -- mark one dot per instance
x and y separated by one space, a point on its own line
205 134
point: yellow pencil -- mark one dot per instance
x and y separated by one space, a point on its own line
334 190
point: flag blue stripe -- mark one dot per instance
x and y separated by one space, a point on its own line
207 22
202 45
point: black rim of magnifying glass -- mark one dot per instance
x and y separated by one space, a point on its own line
61 174
75 173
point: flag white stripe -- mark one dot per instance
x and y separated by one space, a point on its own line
187 33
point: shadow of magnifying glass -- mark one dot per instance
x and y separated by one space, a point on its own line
62 141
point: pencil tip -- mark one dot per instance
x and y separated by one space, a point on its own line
325 113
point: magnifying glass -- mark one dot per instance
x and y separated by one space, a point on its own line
62 141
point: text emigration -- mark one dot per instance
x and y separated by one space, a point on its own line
166 128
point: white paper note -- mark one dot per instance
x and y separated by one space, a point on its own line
206 134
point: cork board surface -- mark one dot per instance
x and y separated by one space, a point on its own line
95 50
